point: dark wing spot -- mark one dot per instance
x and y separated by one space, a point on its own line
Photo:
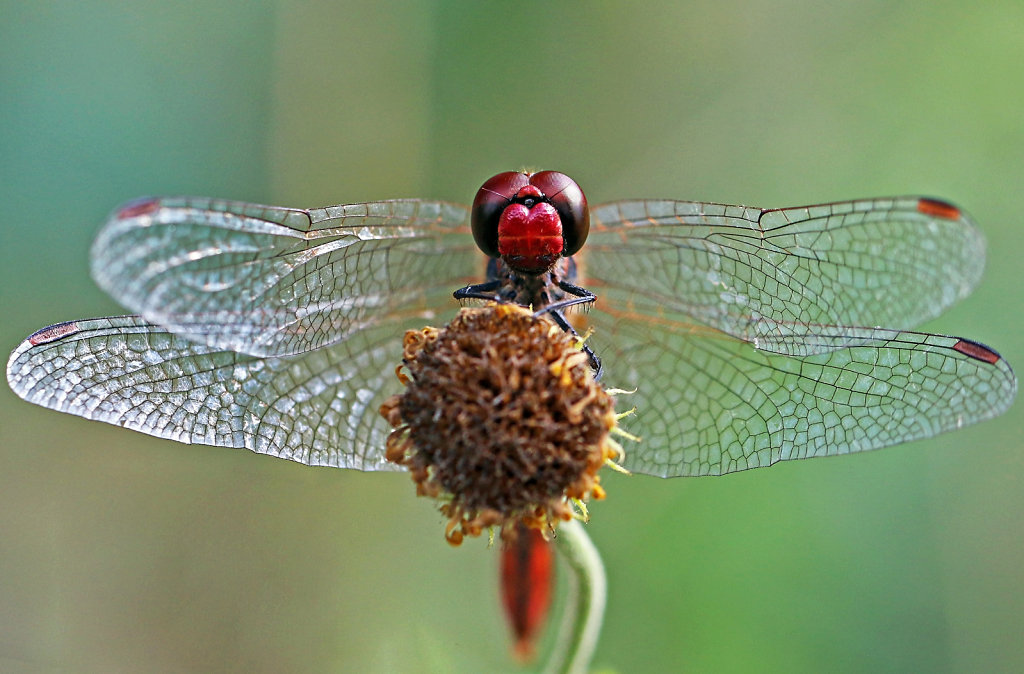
134 209
939 209
977 351
53 333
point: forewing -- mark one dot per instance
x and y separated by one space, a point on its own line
318 408
763 275
709 404
271 281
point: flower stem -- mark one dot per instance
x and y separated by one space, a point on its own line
584 610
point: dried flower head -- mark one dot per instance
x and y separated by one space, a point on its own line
501 420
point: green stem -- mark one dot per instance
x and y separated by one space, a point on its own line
584 611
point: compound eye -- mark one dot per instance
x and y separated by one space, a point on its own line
491 200
568 199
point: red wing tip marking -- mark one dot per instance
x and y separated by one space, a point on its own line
977 351
53 333
939 209
134 209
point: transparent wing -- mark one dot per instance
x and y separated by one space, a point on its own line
708 403
271 281
764 275
319 408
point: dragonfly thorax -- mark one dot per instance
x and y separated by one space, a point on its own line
531 290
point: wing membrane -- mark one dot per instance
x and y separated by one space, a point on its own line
763 275
709 404
271 281
318 408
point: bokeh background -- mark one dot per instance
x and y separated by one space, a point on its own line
120 553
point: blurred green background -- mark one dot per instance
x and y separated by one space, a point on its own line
120 553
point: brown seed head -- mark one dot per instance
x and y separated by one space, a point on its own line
501 419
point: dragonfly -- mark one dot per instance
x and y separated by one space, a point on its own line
748 335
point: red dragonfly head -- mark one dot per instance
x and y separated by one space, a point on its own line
529 220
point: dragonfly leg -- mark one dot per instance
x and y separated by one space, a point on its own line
579 296
479 291
595 362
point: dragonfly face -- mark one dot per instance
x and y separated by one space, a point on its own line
529 220
747 333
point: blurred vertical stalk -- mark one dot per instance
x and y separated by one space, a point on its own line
584 608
